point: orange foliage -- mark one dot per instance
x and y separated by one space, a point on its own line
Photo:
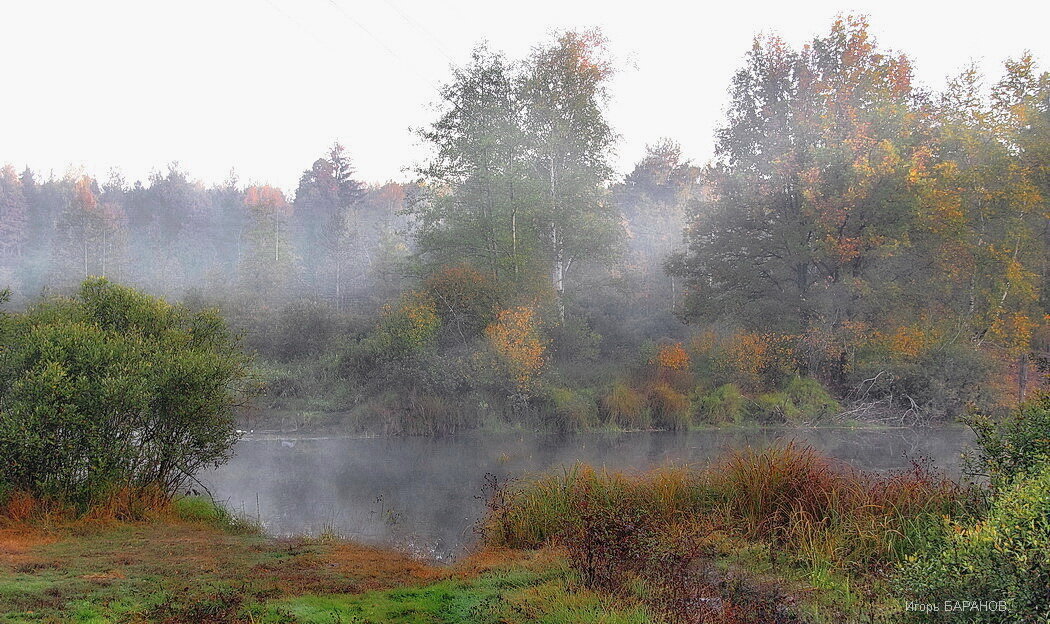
755 359
462 290
84 194
673 357
266 197
517 342
1014 331
907 341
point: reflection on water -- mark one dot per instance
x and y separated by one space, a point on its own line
424 494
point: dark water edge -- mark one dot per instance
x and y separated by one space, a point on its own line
424 495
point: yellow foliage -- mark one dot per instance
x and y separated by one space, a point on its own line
517 342
1014 331
907 341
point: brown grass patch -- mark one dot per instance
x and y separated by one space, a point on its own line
16 546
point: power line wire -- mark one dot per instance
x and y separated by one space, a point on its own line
411 22
382 44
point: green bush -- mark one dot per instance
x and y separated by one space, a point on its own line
1005 557
774 407
1014 445
112 388
724 404
811 399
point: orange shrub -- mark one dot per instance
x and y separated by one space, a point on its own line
673 357
517 342
756 360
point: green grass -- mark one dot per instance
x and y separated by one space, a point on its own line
194 568
498 597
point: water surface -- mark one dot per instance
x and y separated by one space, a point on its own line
424 494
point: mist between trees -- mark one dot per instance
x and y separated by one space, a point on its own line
858 247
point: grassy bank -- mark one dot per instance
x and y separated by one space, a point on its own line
191 563
778 535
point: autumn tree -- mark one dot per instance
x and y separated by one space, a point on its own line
520 348
268 263
563 91
808 188
517 181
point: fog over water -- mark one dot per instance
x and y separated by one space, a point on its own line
426 494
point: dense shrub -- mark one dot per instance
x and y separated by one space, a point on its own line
111 389
935 379
1005 557
1014 445
774 408
801 400
811 399
465 299
724 404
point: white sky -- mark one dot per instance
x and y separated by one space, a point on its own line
264 86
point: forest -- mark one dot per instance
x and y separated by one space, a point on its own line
858 245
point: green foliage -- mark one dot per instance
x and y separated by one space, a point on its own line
571 410
774 407
1014 445
724 404
802 400
811 398
113 388
522 154
1005 557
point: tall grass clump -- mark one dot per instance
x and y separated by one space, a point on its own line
819 513
570 410
206 511
625 407
826 512
669 408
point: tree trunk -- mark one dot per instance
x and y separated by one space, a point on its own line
558 273
1022 377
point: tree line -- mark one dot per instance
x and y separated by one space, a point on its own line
855 237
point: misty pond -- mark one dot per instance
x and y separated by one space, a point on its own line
425 495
